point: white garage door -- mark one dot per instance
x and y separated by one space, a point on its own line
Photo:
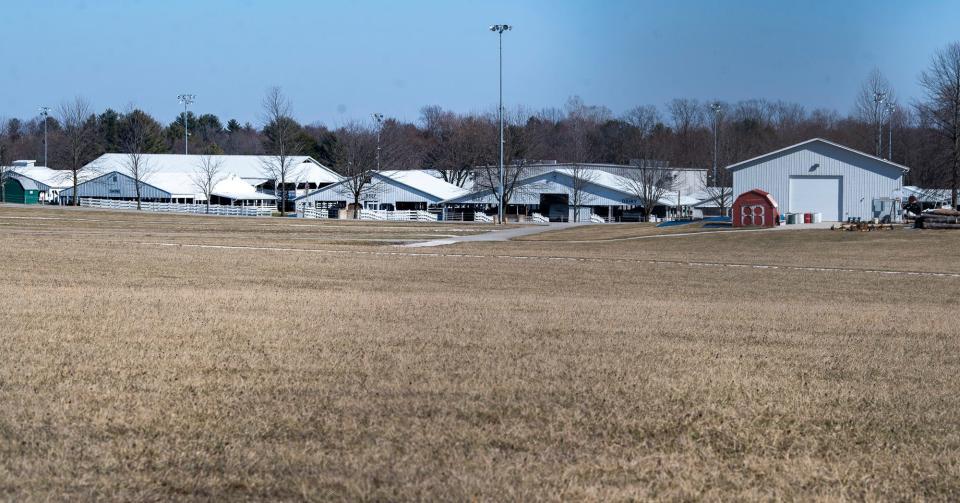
816 194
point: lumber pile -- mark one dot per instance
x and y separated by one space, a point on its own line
941 218
862 227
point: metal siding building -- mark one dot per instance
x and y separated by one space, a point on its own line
115 185
821 176
21 190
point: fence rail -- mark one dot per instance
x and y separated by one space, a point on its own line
308 212
398 216
215 209
540 219
482 218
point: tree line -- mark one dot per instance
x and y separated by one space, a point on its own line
923 135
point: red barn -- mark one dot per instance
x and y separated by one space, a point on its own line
755 208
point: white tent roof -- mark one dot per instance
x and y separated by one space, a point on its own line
184 185
233 187
425 182
247 167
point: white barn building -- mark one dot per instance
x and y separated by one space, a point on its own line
387 190
819 176
552 193
305 173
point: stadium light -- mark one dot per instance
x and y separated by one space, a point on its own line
45 112
379 119
717 108
499 29
186 100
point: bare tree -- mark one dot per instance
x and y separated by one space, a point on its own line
451 147
941 81
356 161
875 95
523 147
648 183
581 177
401 145
207 175
283 141
644 118
4 164
136 138
719 191
79 138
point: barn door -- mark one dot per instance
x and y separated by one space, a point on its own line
752 215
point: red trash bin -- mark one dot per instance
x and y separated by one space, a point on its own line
808 218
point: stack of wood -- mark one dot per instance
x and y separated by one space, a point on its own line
941 218
862 227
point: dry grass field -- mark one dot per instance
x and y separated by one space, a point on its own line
157 357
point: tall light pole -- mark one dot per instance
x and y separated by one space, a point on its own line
186 100
891 109
878 99
499 29
45 112
715 106
379 118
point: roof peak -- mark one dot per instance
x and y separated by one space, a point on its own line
820 140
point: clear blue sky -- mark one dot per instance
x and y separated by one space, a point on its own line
342 60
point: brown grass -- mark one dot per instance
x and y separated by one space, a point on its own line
130 371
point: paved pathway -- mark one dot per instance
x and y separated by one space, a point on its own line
503 235
508 234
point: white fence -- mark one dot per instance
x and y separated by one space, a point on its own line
482 218
215 209
400 216
540 219
597 219
309 212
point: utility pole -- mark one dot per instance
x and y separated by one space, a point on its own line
891 109
186 100
499 29
379 118
45 112
878 100
715 106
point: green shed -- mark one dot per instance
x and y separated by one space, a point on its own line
20 191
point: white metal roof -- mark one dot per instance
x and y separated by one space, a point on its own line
53 178
177 184
934 195
25 182
604 179
424 182
817 140
671 198
247 167
599 177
